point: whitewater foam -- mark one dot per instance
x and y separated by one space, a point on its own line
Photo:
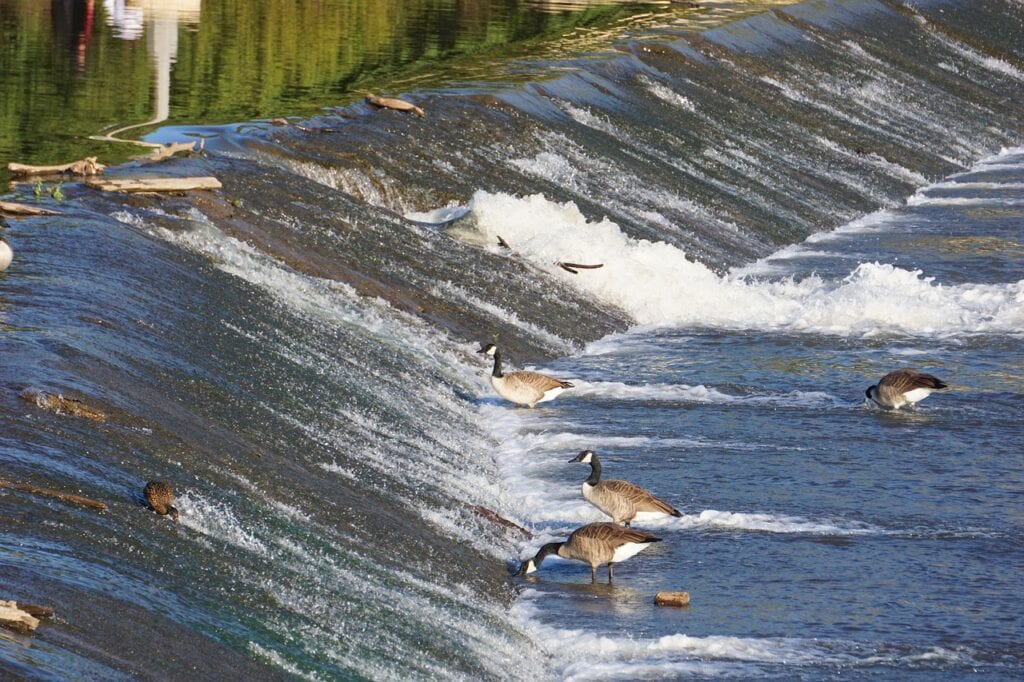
657 285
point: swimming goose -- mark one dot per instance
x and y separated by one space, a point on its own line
620 500
594 544
522 388
160 497
902 387
6 255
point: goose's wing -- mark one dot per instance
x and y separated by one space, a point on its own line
611 535
642 500
536 381
903 380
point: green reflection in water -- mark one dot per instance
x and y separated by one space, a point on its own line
71 68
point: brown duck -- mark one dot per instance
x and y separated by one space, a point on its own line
160 498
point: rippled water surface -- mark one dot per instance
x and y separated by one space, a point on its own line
778 205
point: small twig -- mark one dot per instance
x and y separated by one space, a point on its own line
493 517
502 243
575 267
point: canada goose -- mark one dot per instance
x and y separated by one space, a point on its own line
522 388
902 387
160 497
594 544
620 500
6 255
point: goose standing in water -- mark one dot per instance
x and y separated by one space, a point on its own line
525 387
903 387
594 544
621 500
160 497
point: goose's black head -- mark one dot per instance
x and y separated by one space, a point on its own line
488 349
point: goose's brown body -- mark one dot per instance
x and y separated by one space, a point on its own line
595 544
903 387
621 500
525 387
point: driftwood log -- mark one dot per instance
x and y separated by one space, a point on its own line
10 208
495 518
574 268
393 103
55 494
672 599
154 184
58 404
167 151
14 618
86 166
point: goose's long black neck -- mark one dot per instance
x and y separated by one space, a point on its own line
496 373
550 548
595 471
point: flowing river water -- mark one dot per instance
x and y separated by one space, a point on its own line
785 206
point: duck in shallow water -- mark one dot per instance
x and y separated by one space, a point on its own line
160 498
524 387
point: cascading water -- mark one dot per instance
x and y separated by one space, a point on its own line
295 353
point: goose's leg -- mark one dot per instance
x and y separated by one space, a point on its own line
593 574
609 572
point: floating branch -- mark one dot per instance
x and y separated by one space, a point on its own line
493 517
502 243
393 103
10 208
55 494
575 267
155 184
86 166
58 404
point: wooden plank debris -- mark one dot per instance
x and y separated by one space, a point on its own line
87 166
393 103
58 404
55 494
154 184
10 208
18 620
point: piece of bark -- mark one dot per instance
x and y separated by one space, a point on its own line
58 404
393 103
13 618
493 517
575 267
167 151
10 208
154 184
672 599
55 494
86 166
36 610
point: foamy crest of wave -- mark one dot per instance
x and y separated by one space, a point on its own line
217 521
695 394
584 655
768 523
656 284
